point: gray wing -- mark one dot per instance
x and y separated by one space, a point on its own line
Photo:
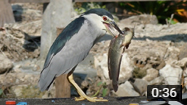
73 51
64 36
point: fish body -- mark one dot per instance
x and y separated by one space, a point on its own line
114 59
116 49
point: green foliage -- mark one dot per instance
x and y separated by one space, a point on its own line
171 21
103 88
1 92
162 9
105 92
83 7
139 73
99 83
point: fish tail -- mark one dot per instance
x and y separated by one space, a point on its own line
115 86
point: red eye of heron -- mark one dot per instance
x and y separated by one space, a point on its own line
104 18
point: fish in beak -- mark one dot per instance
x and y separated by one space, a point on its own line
115 53
112 28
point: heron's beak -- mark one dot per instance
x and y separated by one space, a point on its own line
115 26
112 27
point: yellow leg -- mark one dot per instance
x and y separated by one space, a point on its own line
83 96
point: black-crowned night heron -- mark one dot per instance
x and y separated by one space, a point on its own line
73 45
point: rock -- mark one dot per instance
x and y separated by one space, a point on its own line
172 75
28 66
27 12
126 68
185 77
182 63
32 28
101 65
174 103
17 68
29 91
140 86
19 78
30 18
172 54
140 62
5 64
151 74
139 19
183 53
84 84
18 90
13 45
161 65
144 55
153 28
156 81
126 89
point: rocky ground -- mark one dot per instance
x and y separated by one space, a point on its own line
156 56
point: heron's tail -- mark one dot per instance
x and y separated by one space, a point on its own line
46 79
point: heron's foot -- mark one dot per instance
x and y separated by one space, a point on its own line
83 96
79 98
98 97
91 99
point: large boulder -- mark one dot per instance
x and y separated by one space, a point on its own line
139 19
151 74
156 81
126 68
172 75
140 86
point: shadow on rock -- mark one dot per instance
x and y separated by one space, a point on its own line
31 42
171 37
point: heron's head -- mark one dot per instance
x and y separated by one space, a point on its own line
104 20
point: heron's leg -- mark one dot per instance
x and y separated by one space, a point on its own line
83 96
